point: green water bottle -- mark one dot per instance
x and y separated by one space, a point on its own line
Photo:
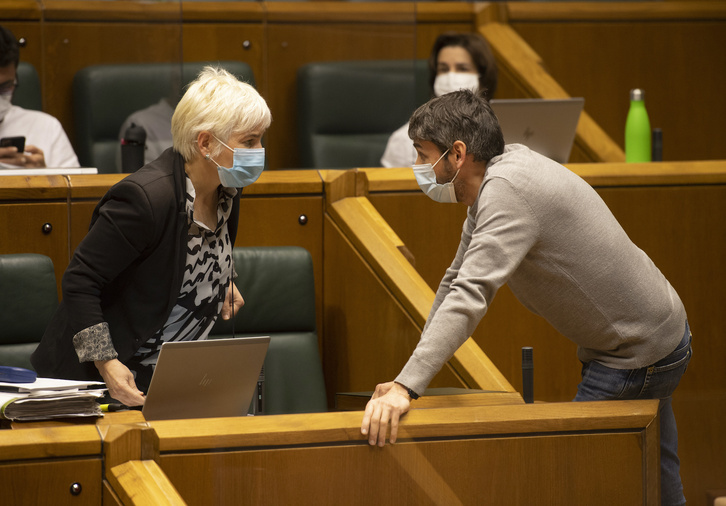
637 129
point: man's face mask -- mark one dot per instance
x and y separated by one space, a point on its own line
426 178
455 81
247 165
5 104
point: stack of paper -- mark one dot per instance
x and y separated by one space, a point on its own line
48 398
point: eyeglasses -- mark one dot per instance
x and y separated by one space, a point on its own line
9 86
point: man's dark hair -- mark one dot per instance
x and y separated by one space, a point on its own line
9 50
481 55
459 116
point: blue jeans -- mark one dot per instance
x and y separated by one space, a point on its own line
657 381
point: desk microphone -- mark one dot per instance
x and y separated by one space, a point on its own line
527 375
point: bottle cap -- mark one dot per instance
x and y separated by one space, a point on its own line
637 94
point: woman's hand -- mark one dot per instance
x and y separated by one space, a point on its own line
120 382
229 310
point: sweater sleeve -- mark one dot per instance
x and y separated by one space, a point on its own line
499 232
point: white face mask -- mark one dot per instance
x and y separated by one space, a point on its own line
5 104
426 178
455 81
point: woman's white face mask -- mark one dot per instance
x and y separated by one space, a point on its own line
455 81
426 179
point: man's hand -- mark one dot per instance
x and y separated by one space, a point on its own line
387 404
120 382
228 310
32 158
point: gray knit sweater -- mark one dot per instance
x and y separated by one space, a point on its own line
546 232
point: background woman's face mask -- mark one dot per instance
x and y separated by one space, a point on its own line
426 179
247 165
455 81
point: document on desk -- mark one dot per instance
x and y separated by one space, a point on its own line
46 405
49 398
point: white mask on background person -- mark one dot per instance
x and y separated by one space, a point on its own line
426 179
5 104
455 81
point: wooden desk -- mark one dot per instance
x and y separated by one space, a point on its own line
520 454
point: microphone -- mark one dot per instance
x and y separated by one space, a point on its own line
527 375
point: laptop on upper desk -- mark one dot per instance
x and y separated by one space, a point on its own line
205 379
546 126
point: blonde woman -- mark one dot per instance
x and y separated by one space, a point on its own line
156 264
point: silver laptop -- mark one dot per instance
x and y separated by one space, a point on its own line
544 125
205 379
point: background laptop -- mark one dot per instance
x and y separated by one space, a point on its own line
203 379
544 125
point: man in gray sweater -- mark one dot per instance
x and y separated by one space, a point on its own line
540 228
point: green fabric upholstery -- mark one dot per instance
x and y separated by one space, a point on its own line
28 299
27 95
278 287
348 109
105 95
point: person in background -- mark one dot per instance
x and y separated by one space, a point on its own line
544 231
156 264
457 61
156 121
46 143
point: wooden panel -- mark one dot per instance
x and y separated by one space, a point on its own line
23 231
491 454
51 481
287 221
362 319
537 470
70 47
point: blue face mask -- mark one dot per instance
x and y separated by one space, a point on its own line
426 178
247 165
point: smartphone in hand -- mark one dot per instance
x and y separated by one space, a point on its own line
18 142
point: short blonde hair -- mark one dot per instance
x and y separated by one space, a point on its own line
217 102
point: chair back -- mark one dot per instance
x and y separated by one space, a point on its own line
347 110
28 300
278 288
105 95
27 95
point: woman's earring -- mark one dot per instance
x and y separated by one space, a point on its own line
207 156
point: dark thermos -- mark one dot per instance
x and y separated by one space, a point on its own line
527 375
133 145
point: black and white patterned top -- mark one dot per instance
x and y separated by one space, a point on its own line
207 276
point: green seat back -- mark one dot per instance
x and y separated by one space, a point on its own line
277 284
28 95
28 299
105 95
347 110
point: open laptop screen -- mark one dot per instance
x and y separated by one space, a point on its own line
544 125
204 379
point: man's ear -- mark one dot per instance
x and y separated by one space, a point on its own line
459 150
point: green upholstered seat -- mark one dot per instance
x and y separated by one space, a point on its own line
28 299
27 95
105 95
348 109
278 287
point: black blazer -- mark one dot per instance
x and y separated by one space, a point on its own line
128 269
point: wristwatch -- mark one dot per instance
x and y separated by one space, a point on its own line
413 395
